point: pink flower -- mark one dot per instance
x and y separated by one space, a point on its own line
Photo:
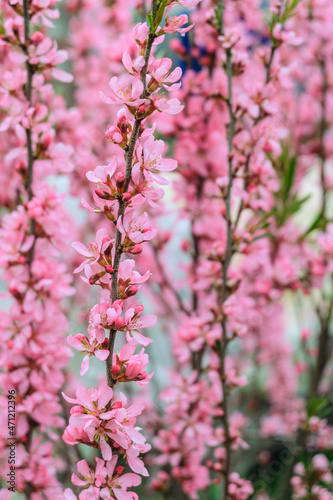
160 103
150 161
93 345
145 189
124 93
86 417
106 316
96 251
133 66
116 484
103 174
46 55
286 36
134 228
161 75
134 321
140 33
86 473
128 366
174 25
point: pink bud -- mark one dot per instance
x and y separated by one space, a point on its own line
185 245
103 194
126 196
119 470
115 371
136 249
139 309
133 370
95 277
113 134
76 409
37 37
119 177
119 322
10 344
21 259
121 116
47 140
109 269
117 405
105 239
305 334
132 291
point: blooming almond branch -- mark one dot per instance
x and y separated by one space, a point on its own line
122 188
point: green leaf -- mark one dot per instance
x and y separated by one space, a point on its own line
319 222
289 177
150 21
159 14
289 10
318 406
265 235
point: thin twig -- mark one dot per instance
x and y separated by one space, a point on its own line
226 260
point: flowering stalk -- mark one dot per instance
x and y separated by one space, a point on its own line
224 296
33 353
122 202
97 419
228 252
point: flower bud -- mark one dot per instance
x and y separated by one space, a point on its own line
133 370
119 177
126 197
95 277
139 309
119 322
109 269
115 370
136 249
117 405
130 291
103 194
141 111
113 134
37 37
76 409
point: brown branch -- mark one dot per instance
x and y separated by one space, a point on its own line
227 259
28 185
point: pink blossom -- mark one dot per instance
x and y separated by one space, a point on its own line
90 346
133 321
160 73
96 252
124 92
134 228
150 161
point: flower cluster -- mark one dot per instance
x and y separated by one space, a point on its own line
246 249
34 231
123 189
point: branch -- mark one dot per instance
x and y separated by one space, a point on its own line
128 174
227 259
